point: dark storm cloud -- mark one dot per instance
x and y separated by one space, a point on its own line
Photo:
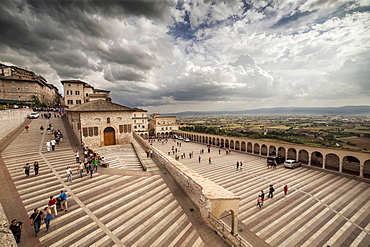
15 32
130 56
64 9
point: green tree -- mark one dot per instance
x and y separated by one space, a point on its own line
35 100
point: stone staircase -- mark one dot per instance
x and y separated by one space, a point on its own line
121 157
106 210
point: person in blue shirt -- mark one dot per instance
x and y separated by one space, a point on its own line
63 201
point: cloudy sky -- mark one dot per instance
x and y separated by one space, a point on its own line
184 55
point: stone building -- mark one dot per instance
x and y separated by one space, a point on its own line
101 123
77 92
162 126
17 86
140 122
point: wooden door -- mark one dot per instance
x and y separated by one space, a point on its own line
109 137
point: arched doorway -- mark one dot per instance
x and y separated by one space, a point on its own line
109 136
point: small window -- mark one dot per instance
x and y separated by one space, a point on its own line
125 128
84 132
14 89
69 92
27 97
70 102
120 128
26 89
91 131
144 126
129 128
14 97
108 119
78 102
87 94
142 115
134 121
135 127
69 85
96 131
77 92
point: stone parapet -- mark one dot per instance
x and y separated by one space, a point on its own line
6 236
210 198
11 119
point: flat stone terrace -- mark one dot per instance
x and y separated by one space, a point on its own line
106 210
321 209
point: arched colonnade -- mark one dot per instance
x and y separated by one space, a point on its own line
343 161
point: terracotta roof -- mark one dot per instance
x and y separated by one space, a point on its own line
99 106
73 81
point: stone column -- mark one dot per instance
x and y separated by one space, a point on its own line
323 163
362 169
340 166
309 159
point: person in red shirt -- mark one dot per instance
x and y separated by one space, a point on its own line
285 190
52 205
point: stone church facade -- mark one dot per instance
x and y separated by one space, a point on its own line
101 123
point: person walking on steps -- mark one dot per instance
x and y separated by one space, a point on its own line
36 167
27 168
16 227
271 191
259 201
285 190
35 220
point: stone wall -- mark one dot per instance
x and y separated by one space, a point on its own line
209 197
6 236
11 119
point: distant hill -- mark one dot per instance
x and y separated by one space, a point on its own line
343 110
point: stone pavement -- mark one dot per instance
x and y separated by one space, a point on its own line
322 208
106 210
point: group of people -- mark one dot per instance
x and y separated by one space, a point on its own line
57 137
27 168
261 197
91 161
38 216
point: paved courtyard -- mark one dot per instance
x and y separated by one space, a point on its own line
321 209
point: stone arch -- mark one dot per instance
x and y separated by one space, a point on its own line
332 162
237 145
292 154
303 156
218 142
367 169
264 150
243 147
227 143
316 159
249 147
281 152
222 144
109 136
351 165
256 148
272 150
232 144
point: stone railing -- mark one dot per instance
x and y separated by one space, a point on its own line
6 236
210 198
